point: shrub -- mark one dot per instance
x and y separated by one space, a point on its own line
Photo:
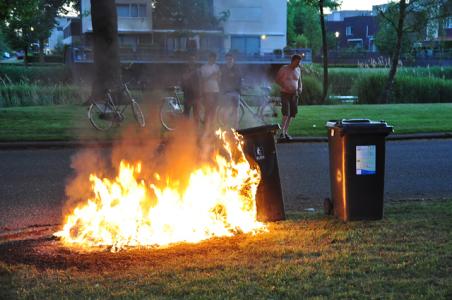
311 94
31 94
342 79
368 88
312 91
50 74
437 72
47 59
407 89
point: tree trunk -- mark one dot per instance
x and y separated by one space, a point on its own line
26 56
395 54
325 52
106 50
41 50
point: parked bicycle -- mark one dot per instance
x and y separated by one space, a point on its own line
110 110
264 112
172 108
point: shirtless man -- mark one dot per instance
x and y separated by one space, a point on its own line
289 79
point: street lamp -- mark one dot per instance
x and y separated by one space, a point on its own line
336 34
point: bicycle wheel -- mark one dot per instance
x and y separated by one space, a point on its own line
241 112
101 116
224 115
138 114
170 112
267 113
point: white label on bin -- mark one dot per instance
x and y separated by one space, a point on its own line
366 161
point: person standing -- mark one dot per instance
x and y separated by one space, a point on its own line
231 83
289 80
190 86
210 77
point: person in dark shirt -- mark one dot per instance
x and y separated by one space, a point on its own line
231 83
190 86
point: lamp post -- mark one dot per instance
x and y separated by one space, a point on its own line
336 34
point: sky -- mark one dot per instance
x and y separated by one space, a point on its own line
360 4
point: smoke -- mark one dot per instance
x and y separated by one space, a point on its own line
172 155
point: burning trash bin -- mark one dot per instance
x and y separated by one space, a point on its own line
260 148
357 165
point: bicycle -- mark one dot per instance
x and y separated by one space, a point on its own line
264 113
172 109
102 115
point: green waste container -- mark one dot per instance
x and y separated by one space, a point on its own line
357 166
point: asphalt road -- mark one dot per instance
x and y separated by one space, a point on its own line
32 181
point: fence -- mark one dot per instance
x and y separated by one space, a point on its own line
84 54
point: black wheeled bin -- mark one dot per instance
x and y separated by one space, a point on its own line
260 148
357 166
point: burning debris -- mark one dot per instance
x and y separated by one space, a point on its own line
217 199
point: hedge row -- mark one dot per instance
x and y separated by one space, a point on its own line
311 94
368 87
341 81
50 74
407 89
33 94
47 59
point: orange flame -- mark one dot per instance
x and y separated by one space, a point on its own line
219 200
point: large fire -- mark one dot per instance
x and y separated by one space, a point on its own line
219 200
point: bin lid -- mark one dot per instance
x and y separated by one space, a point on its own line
260 129
356 126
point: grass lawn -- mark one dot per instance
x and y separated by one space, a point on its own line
52 123
406 118
67 122
407 255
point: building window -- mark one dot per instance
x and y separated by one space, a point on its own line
128 41
348 30
131 10
246 14
122 10
249 45
449 23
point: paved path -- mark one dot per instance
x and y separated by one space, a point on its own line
414 169
33 181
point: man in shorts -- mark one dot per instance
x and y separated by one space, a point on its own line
231 82
289 80
210 82
190 86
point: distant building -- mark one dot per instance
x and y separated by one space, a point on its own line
340 15
56 35
253 28
72 32
353 29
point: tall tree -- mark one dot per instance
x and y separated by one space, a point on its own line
404 17
303 24
5 8
26 22
20 25
320 5
106 49
46 21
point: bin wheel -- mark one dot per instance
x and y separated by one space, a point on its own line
327 206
